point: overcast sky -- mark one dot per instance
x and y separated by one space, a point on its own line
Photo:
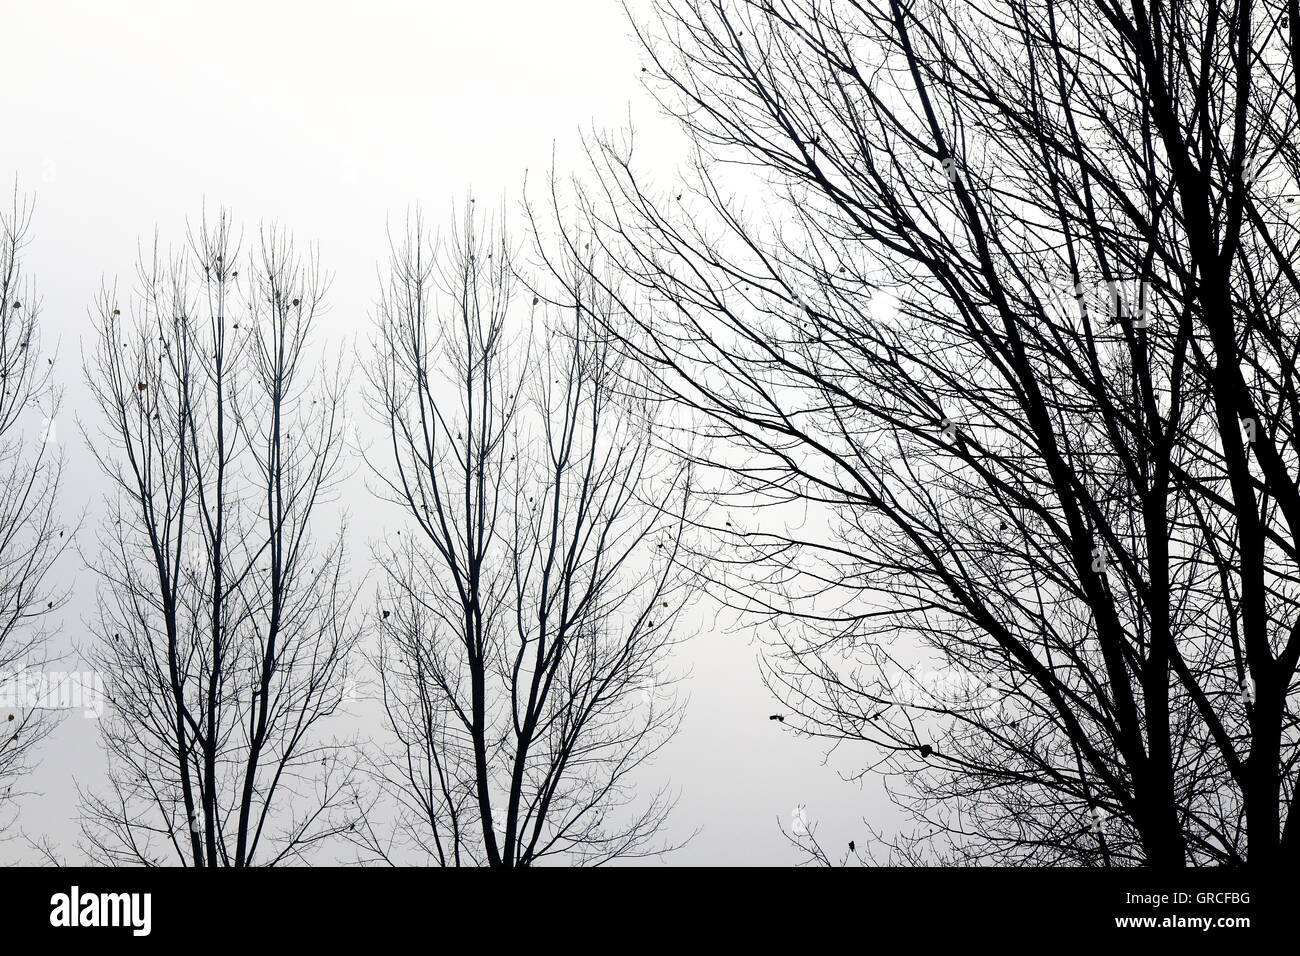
332 119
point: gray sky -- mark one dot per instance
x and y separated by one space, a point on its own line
334 119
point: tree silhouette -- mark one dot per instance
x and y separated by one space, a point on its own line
534 587
224 630
1004 373
31 535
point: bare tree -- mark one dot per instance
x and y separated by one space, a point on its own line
534 591
31 535
224 630
1006 378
